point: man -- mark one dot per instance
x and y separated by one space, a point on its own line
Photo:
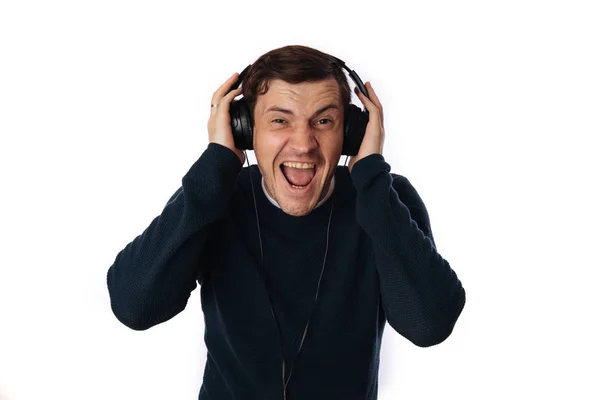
301 262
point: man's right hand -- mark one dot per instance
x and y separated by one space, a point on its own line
219 123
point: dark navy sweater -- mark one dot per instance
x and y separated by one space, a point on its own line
382 266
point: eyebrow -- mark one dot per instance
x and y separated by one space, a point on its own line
289 112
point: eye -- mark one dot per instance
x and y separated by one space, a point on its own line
324 119
278 121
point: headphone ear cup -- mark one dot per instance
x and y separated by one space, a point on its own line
354 130
241 124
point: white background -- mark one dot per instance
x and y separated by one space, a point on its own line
492 112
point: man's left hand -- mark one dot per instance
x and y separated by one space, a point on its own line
372 142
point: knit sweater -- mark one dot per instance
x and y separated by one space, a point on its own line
381 266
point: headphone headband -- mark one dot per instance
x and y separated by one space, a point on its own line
340 63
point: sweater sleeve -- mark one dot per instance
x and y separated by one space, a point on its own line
421 294
152 278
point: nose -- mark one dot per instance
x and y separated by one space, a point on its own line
303 138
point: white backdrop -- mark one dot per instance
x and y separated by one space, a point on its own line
492 112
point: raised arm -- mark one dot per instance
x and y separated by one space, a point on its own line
153 276
421 294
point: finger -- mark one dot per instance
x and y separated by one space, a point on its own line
373 96
227 99
222 90
372 103
369 105
375 99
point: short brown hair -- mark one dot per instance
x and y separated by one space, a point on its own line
293 64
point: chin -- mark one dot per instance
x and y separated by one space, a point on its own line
292 205
297 211
296 201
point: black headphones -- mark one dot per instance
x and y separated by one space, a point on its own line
355 120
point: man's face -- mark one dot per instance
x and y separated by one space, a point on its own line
298 124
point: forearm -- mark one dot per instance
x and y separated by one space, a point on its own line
421 294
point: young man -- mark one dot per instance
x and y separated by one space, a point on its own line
301 262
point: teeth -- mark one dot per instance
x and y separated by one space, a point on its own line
299 165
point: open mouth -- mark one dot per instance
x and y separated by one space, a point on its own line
298 175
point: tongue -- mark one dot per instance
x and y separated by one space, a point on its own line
298 176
